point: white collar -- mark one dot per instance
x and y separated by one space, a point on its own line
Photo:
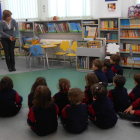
9 26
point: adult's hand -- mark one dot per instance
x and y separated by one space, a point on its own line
12 38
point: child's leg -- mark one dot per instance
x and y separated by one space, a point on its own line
135 120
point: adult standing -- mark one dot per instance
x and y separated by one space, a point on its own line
8 31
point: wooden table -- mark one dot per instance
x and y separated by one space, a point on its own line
45 47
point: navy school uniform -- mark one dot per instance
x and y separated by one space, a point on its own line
135 93
102 114
135 118
101 76
117 69
61 100
43 121
109 74
10 103
120 99
88 99
74 118
30 99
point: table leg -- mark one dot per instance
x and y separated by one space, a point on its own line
47 59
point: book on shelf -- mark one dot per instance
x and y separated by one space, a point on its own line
90 22
90 32
74 27
110 37
91 60
95 44
126 47
17 52
109 25
130 33
133 23
62 28
25 26
39 27
82 44
128 61
51 28
82 62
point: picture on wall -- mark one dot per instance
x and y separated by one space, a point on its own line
111 0
111 7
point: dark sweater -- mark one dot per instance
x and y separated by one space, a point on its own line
10 103
109 74
135 93
61 100
101 113
43 121
120 98
117 69
101 76
74 118
30 99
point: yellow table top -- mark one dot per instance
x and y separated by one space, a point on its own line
42 46
55 43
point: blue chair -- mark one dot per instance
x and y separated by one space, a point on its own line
35 51
133 59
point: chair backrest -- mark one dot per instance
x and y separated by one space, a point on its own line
74 46
36 50
64 45
131 52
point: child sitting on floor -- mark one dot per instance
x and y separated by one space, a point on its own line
74 115
91 79
97 67
119 95
10 101
108 72
135 93
116 68
39 81
61 98
42 117
101 111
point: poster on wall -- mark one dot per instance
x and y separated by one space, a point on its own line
111 7
111 0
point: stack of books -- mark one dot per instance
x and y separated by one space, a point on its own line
82 62
40 28
109 25
25 26
130 33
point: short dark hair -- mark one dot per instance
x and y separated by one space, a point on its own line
119 80
6 84
75 95
91 79
64 85
6 13
137 78
42 97
99 91
98 63
107 63
115 58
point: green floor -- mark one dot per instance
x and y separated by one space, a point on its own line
24 81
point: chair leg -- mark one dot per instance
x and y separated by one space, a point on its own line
44 64
33 62
52 60
132 68
30 63
64 61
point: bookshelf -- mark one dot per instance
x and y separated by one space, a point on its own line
129 35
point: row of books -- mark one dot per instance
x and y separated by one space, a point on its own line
130 33
126 47
128 61
64 27
42 28
90 32
25 26
82 62
109 25
130 23
110 37
90 22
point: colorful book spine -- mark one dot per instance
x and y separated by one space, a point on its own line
82 62
130 33
109 25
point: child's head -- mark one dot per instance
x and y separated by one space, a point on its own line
114 59
91 79
99 91
119 81
75 95
97 64
137 79
42 97
6 84
64 85
39 81
107 65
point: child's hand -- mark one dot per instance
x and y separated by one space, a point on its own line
128 109
132 112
